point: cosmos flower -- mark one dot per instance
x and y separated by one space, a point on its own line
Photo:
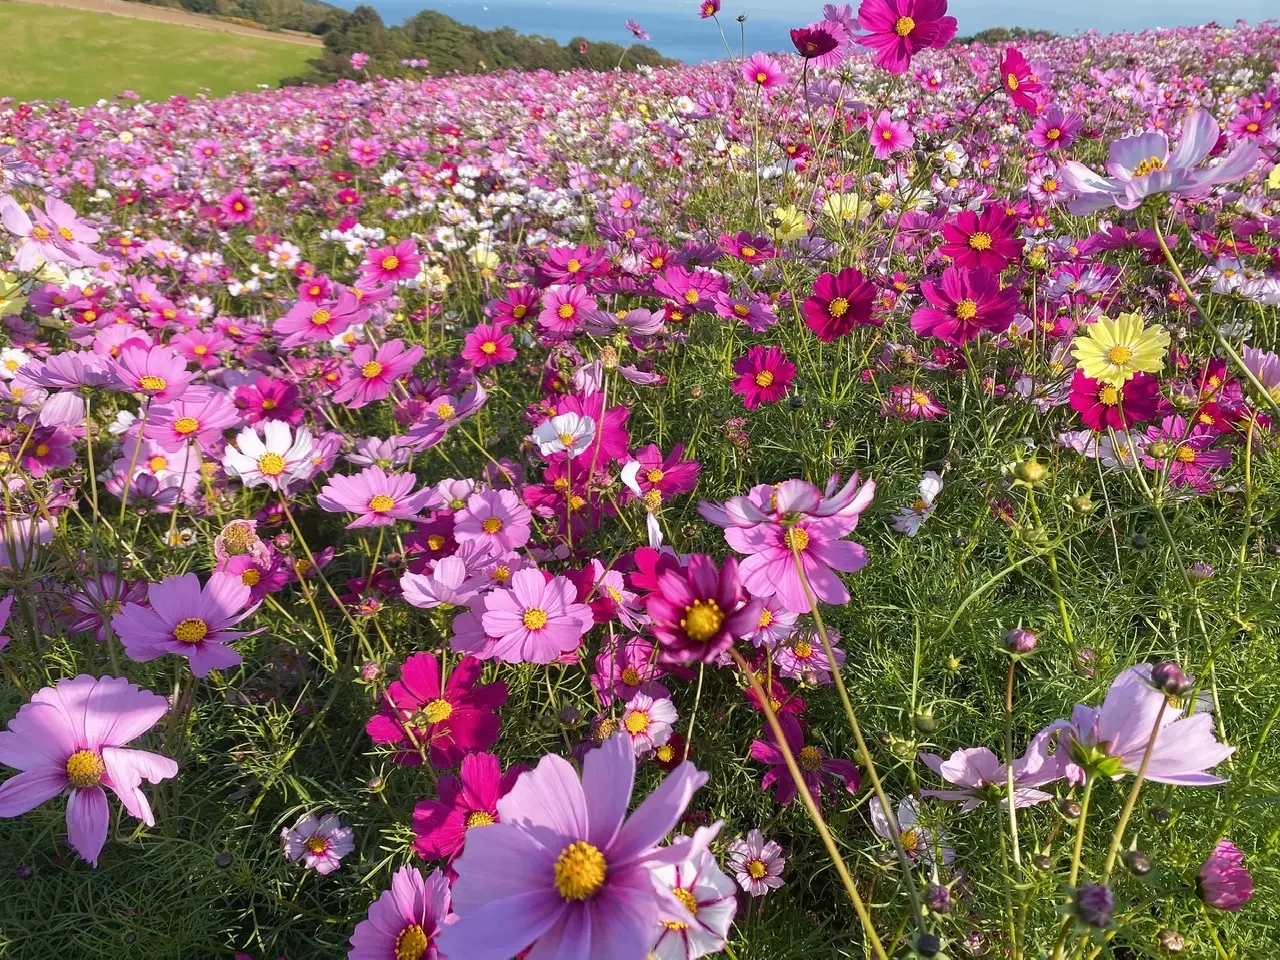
74 737
889 136
277 458
565 433
157 372
319 842
1224 882
981 776
764 375
405 921
1103 406
757 863
1114 351
488 346
389 265
963 304
372 372
187 620
467 801
818 770
839 303
565 869
706 893
647 722
983 239
699 611
495 518
378 498
899 29
535 621
918 842
763 71
909 519
1018 80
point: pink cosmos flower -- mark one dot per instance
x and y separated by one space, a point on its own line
818 770
964 304
200 416
624 669
1018 80
466 801
1192 454
535 621
446 586
488 346
371 373
73 736
236 207
566 869
756 863
889 136
565 307
670 475
380 498
764 374
770 569
912 403
405 921
840 301
1224 881
982 239
385 266
316 321
648 721
187 620
319 842
699 611
57 235
1055 129
444 723
157 372
981 776
763 71
495 518
899 29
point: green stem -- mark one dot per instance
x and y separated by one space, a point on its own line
1131 801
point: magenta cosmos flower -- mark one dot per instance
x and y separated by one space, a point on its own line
1055 129
387 265
1102 406
404 923
380 498
372 373
889 136
763 71
445 724
764 375
188 621
319 842
1018 81
536 621
840 302
699 612
963 304
1224 881
566 870
488 345
981 239
73 737
466 801
816 768
899 29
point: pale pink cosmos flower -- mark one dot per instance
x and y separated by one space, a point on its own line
918 842
379 498
756 863
371 373
648 722
72 737
187 620
319 842
536 621
981 776
405 921
705 892
496 518
446 586
889 136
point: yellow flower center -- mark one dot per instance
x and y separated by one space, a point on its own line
251 577
809 759
579 871
317 845
1012 81
748 251
1119 355
838 307
157 463
438 710
630 676
565 311
966 310
269 404
803 649
488 348
42 449
321 317
687 899
904 26
480 818
1109 395
190 630
1053 134
186 425
654 476
271 465
980 241
886 135
637 722
666 753
764 378
911 840
411 943
606 728
1149 165
756 869
535 618
920 399
766 617
390 263
762 77
40 233
152 384
1185 454
491 525
1251 127
702 620
796 537
85 769
381 503
501 573
741 309
1050 185
371 369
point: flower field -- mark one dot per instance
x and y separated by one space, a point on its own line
818 504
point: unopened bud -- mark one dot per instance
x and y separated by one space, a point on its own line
1170 679
928 945
1139 863
1031 472
938 898
1083 505
370 672
1020 641
1069 808
1093 905
1171 941
1159 450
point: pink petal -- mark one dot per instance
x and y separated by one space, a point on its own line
550 796
655 817
608 774
29 789
87 817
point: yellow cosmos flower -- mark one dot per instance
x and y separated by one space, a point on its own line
1273 178
1112 351
11 299
846 206
786 224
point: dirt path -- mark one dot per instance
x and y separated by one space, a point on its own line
145 11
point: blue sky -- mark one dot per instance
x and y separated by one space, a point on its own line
678 32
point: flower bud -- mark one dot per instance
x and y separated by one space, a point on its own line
1169 679
1159 816
1031 472
1020 641
1171 941
571 715
1083 505
938 898
1069 808
928 945
1139 863
1200 571
924 722
1042 862
1138 541
370 672
1159 450
1093 905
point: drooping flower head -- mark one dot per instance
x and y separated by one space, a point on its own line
1224 881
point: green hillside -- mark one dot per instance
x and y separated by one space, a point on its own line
53 52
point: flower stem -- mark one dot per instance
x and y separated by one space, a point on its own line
1131 801
1074 875
864 754
814 813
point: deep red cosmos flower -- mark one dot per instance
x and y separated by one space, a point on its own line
448 723
1101 405
467 800
963 304
816 768
815 40
982 239
840 302
698 611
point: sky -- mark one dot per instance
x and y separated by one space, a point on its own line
677 31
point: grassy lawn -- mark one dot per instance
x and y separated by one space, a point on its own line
52 52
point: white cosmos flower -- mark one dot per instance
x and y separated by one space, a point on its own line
568 431
707 893
909 518
281 458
